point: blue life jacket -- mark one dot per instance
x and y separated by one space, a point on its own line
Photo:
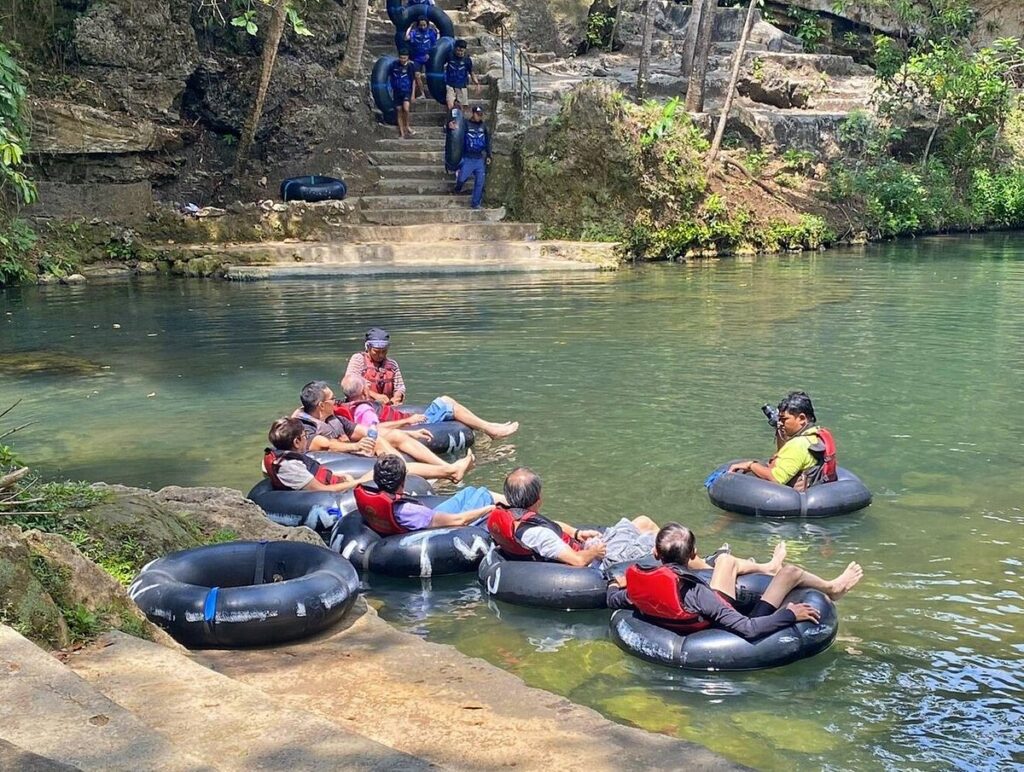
475 143
456 71
422 41
410 3
401 77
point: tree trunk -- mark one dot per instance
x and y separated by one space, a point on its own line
270 45
690 41
643 73
352 64
615 26
716 144
701 51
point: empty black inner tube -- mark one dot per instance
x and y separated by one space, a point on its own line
246 593
313 188
380 88
454 139
718 649
747 494
435 69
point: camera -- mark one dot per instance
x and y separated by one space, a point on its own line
772 414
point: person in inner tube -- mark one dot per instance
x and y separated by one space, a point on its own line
625 541
289 468
324 431
381 371
465 507
799 461
714 601
369 413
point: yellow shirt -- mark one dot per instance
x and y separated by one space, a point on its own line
794 457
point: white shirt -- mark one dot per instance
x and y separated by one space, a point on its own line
544 542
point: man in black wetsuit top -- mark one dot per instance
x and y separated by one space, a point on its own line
714 602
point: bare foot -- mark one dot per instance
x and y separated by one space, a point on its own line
843 583
462 466
497 431
778 557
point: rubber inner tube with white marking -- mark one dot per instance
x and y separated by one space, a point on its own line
747 494
246 593
426 553
719 649
542 584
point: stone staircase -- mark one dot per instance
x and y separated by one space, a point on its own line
362 697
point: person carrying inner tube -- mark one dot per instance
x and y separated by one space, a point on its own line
476 157
326 431
402 76
673 597
805 452
422 37
367 412
458 72
381 372
290 469
521 533
386 512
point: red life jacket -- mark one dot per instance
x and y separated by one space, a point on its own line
384 412
507 526
378 510
824 451
380 377
655 592
272 459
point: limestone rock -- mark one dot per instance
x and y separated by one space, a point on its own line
63 127
24 603
89 586
539 25
75 278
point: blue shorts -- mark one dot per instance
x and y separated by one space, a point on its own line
438 411
466 499
401 96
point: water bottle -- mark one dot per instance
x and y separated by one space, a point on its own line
333 516
372 434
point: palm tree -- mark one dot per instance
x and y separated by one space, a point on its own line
352 64
270 46
701 52
643 72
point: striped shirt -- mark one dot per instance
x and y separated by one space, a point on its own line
357 366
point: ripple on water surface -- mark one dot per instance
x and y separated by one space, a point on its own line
631 387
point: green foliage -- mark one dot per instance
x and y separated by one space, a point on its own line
808 29
17 241
664 123
757 69
755 161
13 130
599 30
997 197
799 161
244 14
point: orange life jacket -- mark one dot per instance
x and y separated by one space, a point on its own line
272 459
655 592
380 377
378 510
508 524
824 453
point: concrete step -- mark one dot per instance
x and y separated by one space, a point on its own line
416 158
14 758
401 186
219 718
48 710
422 201
409 172
417 143
428 232
431 216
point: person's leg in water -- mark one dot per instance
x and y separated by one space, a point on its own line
398 442
460 412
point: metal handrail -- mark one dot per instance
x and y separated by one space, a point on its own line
518 69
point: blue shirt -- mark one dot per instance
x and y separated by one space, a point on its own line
422 42
477 141
401 77
457 71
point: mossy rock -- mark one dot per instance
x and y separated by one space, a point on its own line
46 362
25 604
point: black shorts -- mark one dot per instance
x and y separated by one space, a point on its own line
761 609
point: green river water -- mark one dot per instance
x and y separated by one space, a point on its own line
631 387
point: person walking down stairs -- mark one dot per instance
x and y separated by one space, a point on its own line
458 71
402 76
476 156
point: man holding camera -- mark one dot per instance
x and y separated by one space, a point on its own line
805 452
